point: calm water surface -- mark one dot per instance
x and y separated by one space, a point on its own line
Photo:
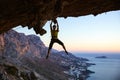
105 69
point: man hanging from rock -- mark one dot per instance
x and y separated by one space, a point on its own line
54 34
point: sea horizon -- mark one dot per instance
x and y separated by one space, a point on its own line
105 68
115 55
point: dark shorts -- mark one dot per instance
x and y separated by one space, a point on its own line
55 41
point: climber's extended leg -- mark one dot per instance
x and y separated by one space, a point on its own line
61 43
50 47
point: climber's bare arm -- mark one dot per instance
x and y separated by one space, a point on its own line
51 25
57 26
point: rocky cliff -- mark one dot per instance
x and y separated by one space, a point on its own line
23 58
35 13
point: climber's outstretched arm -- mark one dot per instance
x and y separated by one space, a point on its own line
57 25
51 25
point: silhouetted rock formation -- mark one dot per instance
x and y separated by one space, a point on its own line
23 58
35 13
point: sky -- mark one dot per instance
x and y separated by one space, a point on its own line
88 33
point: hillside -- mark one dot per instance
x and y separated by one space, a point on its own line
23 58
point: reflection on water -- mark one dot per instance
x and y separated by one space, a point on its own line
105 69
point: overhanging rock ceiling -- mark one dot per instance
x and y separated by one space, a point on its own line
35 13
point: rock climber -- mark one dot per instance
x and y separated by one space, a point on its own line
54 34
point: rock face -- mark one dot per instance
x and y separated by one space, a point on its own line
35 13
23 58
17 43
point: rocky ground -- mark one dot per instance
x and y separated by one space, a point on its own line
23 58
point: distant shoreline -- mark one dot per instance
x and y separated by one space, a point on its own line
109 55
103 57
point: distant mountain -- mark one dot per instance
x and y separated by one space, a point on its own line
23 58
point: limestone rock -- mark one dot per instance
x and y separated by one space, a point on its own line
22 57
35 13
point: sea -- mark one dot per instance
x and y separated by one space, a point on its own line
105 68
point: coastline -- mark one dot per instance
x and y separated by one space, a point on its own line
108 67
